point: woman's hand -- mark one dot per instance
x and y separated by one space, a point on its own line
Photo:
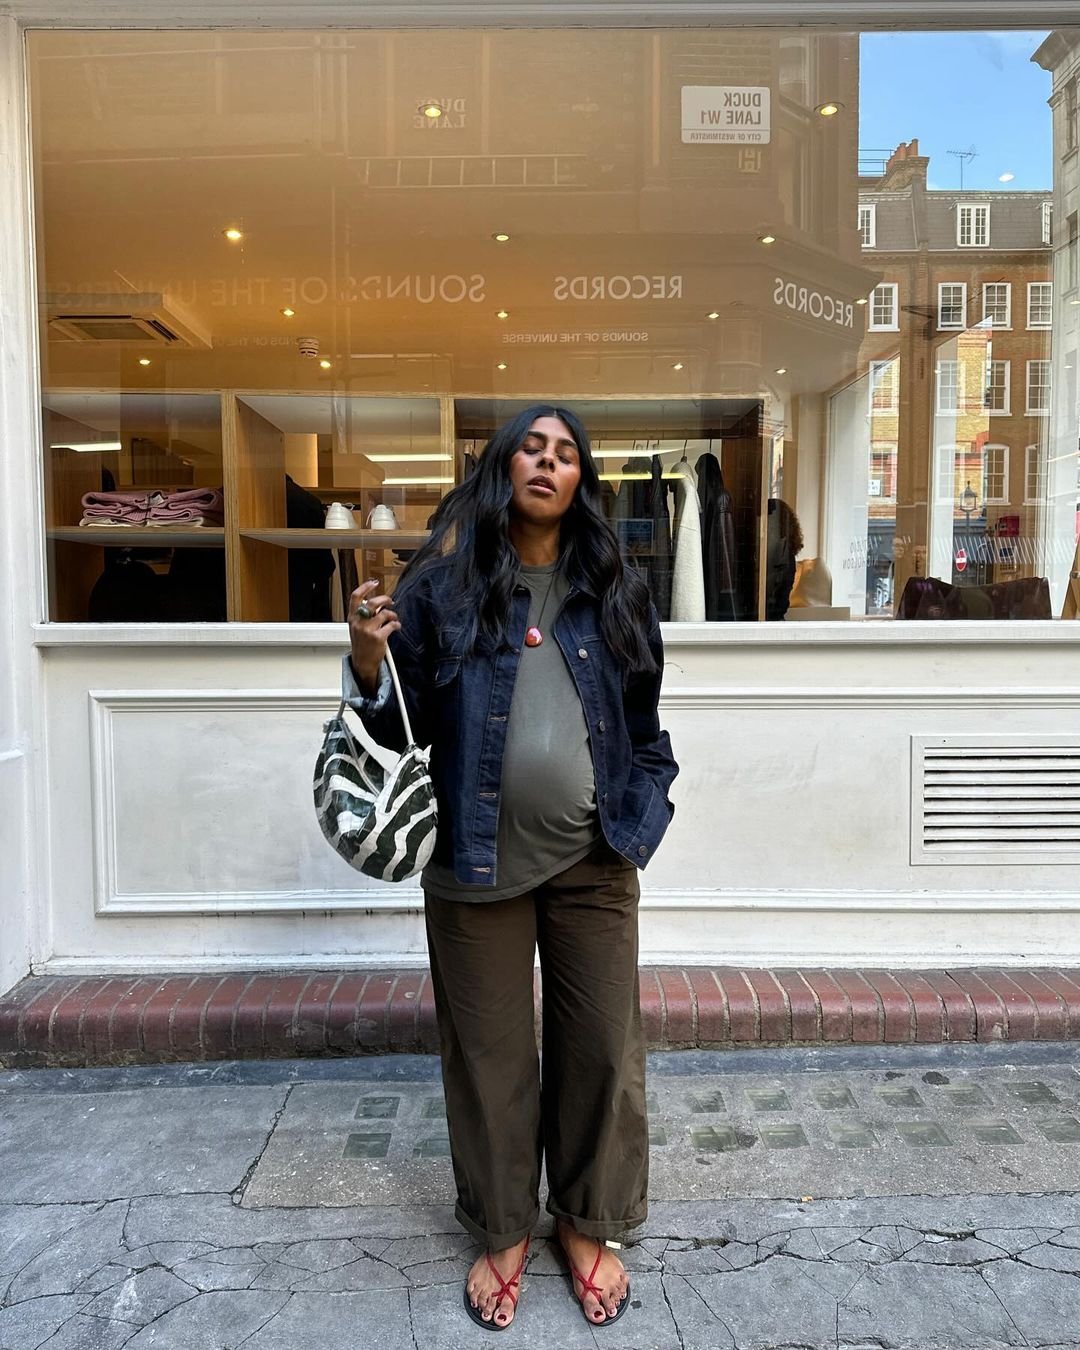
368 636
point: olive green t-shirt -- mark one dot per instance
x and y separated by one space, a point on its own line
547 804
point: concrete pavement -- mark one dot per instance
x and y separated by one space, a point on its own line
925 1197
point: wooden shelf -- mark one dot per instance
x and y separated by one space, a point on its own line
337 539
141 536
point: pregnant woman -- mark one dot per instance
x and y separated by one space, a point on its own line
531 662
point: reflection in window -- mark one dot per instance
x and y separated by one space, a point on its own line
868 226
884 385
1038 387
883 306
997 386
997 304
995 474
948 386
952 304
1034 475
1040 304
973 226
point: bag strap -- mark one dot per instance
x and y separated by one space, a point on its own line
401 706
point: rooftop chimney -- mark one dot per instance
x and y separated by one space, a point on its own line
905 166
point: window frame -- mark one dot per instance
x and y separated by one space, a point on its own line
958 385
891 363
1040 475
953 327
986 318
1006 411
894 326
979 210
1048 224
1049 324
871 211
1048 386
891 453
989 500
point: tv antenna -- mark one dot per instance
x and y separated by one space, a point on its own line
963 156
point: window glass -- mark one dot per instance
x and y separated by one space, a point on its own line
290 282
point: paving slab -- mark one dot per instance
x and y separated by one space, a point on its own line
66 1146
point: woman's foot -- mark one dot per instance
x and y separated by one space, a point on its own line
610 1276
485 1292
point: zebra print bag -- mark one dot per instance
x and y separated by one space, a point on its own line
381 822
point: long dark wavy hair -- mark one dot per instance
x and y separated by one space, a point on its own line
470 530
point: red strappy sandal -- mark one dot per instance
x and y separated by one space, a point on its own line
588 1287
505 1291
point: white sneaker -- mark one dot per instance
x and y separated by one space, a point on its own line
382 518
339 517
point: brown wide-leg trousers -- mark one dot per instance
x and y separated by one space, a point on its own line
586 1113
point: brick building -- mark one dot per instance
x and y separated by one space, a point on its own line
957 355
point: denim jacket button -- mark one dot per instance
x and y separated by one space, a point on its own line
600 725
642 851
583 653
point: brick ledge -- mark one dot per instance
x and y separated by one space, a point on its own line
68 1021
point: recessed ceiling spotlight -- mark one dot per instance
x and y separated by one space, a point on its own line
288 312
144 360
828 109
1006 178
781 370
501 237
713 314
232 234
766 238
325 364
432 111
861 300
677 366
502 314
501 365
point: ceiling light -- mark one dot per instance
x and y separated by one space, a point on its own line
828 109
781 370
713 314
677 366
82 447
503 314
501 365
288 312
432 111
232 234
501 237
1006 178
325 364
766 238
861 300
144 360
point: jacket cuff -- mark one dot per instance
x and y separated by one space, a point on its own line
365 705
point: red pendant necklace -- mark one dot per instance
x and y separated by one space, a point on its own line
534 635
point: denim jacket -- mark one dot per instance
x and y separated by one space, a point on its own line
459 705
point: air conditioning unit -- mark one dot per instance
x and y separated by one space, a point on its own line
135 317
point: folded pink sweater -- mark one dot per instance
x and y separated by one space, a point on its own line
156 508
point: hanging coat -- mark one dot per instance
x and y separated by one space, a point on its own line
719 555
659 563
688 578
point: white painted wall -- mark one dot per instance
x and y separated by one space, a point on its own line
21 524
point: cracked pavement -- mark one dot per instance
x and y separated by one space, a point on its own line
132 1215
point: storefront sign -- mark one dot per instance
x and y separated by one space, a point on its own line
589 337
621 287
803 299
725 114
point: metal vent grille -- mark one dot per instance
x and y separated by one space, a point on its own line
1002 799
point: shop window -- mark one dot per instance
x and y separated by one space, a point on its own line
1040 304
952 304
868 226
1038 388
948 386
998 381
997 304
995 475
884 308
973 226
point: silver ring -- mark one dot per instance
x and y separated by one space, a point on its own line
364 612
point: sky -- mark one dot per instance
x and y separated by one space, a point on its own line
960 91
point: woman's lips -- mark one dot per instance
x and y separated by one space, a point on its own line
540 485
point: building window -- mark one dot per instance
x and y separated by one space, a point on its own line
1070 115
1040 304
973 226
947 456
1038 388
948 386
1034 476
884 386
868 226
997 304
952 304
998 381
883 471
1074 244
996 474
1048 223
884 308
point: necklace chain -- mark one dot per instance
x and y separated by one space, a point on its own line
547 597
